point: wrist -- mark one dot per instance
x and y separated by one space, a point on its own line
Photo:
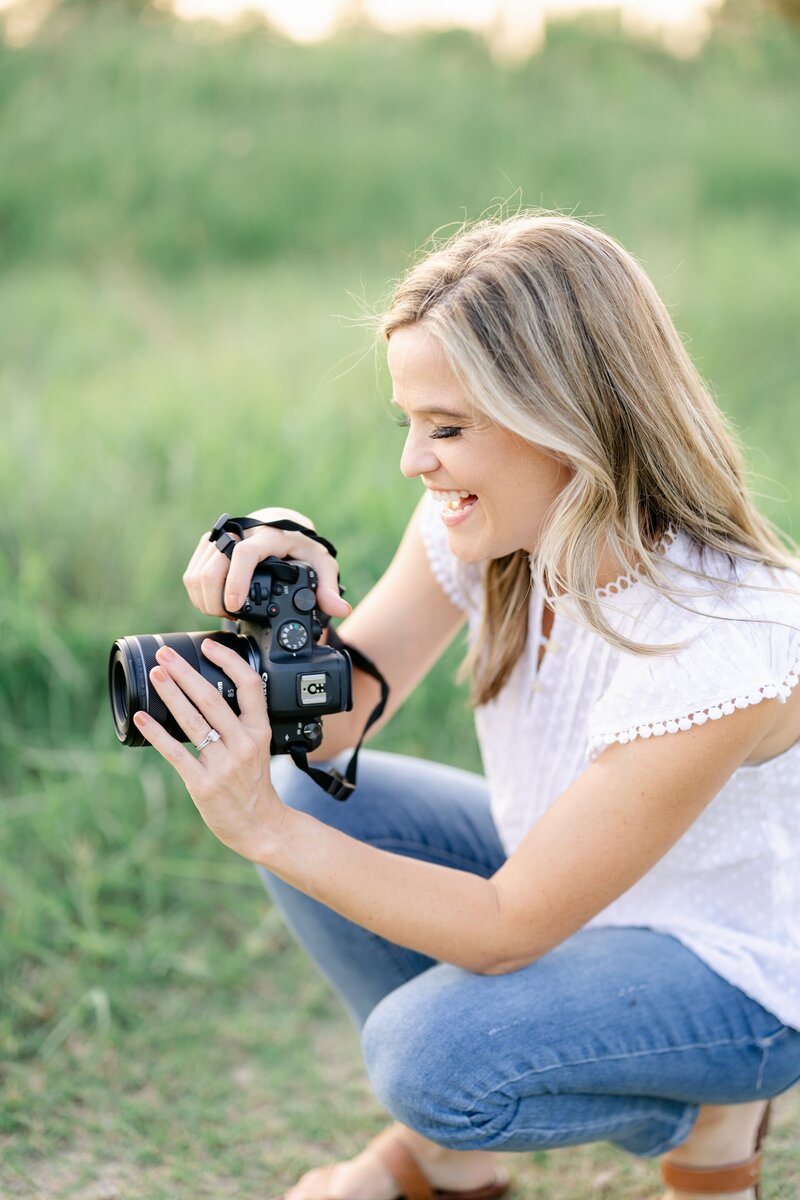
270 844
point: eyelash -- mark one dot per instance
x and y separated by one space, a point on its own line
440 431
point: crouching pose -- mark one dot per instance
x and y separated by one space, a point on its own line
598 940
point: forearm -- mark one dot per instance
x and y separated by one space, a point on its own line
449 915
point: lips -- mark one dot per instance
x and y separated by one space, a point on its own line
460 512
453 499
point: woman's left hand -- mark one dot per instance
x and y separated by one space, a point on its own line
230 781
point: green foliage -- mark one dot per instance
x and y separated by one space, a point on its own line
183 218
156 144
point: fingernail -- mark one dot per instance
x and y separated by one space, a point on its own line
158 674
166 654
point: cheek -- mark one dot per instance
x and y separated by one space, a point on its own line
518 494
536 478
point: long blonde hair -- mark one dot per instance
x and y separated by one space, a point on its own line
554 331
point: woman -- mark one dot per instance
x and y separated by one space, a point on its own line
599 941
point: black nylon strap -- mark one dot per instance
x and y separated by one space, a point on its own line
336 784
224 526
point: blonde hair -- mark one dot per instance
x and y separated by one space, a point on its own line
555 332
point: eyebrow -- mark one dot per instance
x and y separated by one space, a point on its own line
433 412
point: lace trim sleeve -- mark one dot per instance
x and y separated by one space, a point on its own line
731 665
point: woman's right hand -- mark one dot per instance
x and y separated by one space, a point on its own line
215 582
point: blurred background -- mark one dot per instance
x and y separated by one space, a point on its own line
201 208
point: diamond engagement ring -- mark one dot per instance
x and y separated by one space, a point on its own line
211 736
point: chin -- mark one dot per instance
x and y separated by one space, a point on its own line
469 552
472 554
471 559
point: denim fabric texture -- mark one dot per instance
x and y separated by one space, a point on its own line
618 1034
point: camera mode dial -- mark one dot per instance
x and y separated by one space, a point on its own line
292 635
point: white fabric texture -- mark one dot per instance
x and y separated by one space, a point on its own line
729 889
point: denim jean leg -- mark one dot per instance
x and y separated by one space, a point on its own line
616 1035
401 804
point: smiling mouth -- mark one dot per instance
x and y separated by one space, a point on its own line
454 500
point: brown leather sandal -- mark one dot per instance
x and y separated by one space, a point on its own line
710 1180
411 1181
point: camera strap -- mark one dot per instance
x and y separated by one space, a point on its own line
224 526
337 784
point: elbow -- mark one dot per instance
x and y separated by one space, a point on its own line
505 959
506 966
512 961
503 956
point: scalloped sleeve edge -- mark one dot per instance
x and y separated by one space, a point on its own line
723 708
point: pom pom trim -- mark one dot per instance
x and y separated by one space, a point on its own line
713 713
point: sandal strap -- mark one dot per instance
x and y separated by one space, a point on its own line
401 1165
708 1180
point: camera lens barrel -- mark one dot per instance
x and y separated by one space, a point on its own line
133 657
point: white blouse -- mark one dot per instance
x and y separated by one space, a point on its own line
729 889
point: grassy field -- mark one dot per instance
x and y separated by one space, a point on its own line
192 231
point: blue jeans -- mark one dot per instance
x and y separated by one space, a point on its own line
616 1035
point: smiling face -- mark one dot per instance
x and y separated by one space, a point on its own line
510 483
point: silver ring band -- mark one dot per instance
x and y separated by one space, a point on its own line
211 736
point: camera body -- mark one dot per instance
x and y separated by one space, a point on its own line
302 680
276 631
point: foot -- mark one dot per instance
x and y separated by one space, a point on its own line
722 1135
365 1177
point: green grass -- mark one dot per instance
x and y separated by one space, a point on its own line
184 221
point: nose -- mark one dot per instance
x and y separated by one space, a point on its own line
418 457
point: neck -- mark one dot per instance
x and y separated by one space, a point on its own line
610 567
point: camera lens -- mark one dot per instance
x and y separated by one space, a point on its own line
119 694
131 691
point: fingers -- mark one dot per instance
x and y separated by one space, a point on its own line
216 583
197 707
249 685
204 578
193 701
187 766
212 573
191 721
200 553
196 704
283 543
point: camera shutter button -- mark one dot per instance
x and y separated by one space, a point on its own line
304 600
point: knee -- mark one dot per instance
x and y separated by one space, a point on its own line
422 1065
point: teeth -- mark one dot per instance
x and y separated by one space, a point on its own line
451 498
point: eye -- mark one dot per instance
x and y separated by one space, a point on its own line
439 431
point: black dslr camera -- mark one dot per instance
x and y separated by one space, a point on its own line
276 631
